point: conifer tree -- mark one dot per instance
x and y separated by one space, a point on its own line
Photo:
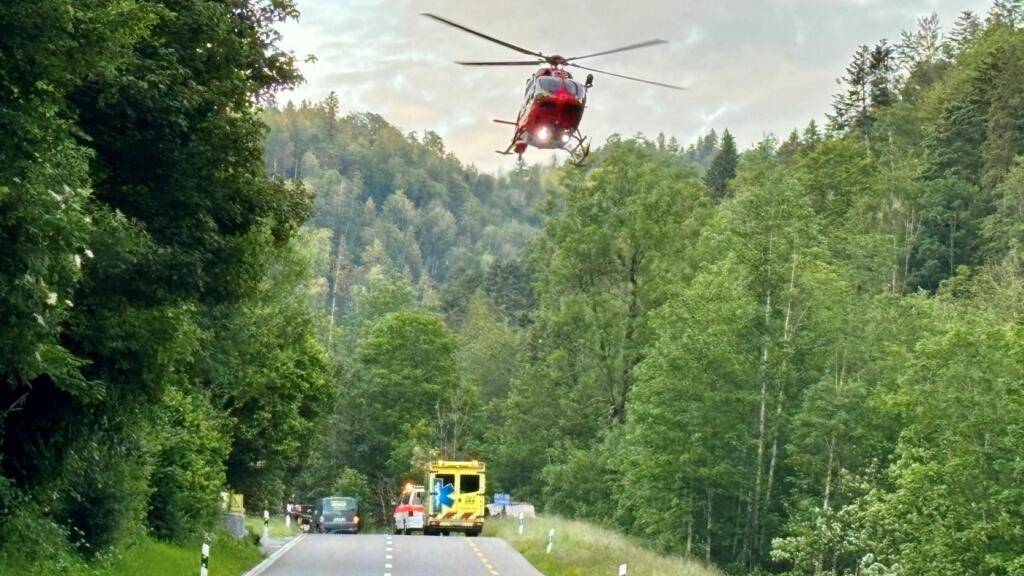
964 34
723 168
1007 13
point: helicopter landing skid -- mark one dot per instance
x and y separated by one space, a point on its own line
578 148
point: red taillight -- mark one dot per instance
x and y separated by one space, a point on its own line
411 513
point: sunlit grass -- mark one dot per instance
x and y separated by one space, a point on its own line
228 557
276 529
583 549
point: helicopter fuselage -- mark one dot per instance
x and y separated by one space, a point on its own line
552 109
553 103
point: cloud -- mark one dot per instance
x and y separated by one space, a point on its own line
752 66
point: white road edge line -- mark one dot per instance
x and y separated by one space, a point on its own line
262 566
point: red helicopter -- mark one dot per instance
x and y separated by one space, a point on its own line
553 103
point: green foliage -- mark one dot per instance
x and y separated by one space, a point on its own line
806 358
821 371
954 505
406 368
390 199
682 451
723 168
354 484
274 394
141 227
488 349
188 470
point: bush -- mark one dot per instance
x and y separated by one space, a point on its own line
31 543
189 471
354 484
106 493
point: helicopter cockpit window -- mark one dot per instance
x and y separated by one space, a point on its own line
575 88
549 83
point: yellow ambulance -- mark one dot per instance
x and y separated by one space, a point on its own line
456 498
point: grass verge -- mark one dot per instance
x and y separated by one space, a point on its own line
228 557
583 549
276 529
146 556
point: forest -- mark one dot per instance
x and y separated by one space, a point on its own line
805 357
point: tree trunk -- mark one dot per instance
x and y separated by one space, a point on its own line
911 231
629 356
707 553
952 251
895 252
828 474
689 536
788 332
755 498
333 287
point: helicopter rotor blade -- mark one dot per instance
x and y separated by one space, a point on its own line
510 63
654 42
482 35
662 84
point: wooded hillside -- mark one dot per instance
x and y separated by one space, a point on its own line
805 357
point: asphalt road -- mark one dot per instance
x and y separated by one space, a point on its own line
386 555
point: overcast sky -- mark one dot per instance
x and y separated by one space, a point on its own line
752 66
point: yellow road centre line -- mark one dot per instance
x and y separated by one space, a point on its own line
483 559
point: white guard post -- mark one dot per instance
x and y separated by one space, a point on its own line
522 520
204 560
266 525
288 516
551 539
622 570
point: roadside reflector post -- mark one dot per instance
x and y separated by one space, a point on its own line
288 515
204 557
266 525
551 539
622 570
522 521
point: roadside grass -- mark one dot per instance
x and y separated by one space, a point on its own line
145 556
584 549
276 528
228 557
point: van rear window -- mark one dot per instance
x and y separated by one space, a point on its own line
469 483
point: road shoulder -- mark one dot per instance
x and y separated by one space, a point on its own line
275 554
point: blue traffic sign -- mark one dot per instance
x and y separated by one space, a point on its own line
502 499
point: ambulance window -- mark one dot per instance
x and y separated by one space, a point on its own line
469 483
416 498
405 500
444 479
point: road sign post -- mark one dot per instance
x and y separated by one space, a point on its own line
551 539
